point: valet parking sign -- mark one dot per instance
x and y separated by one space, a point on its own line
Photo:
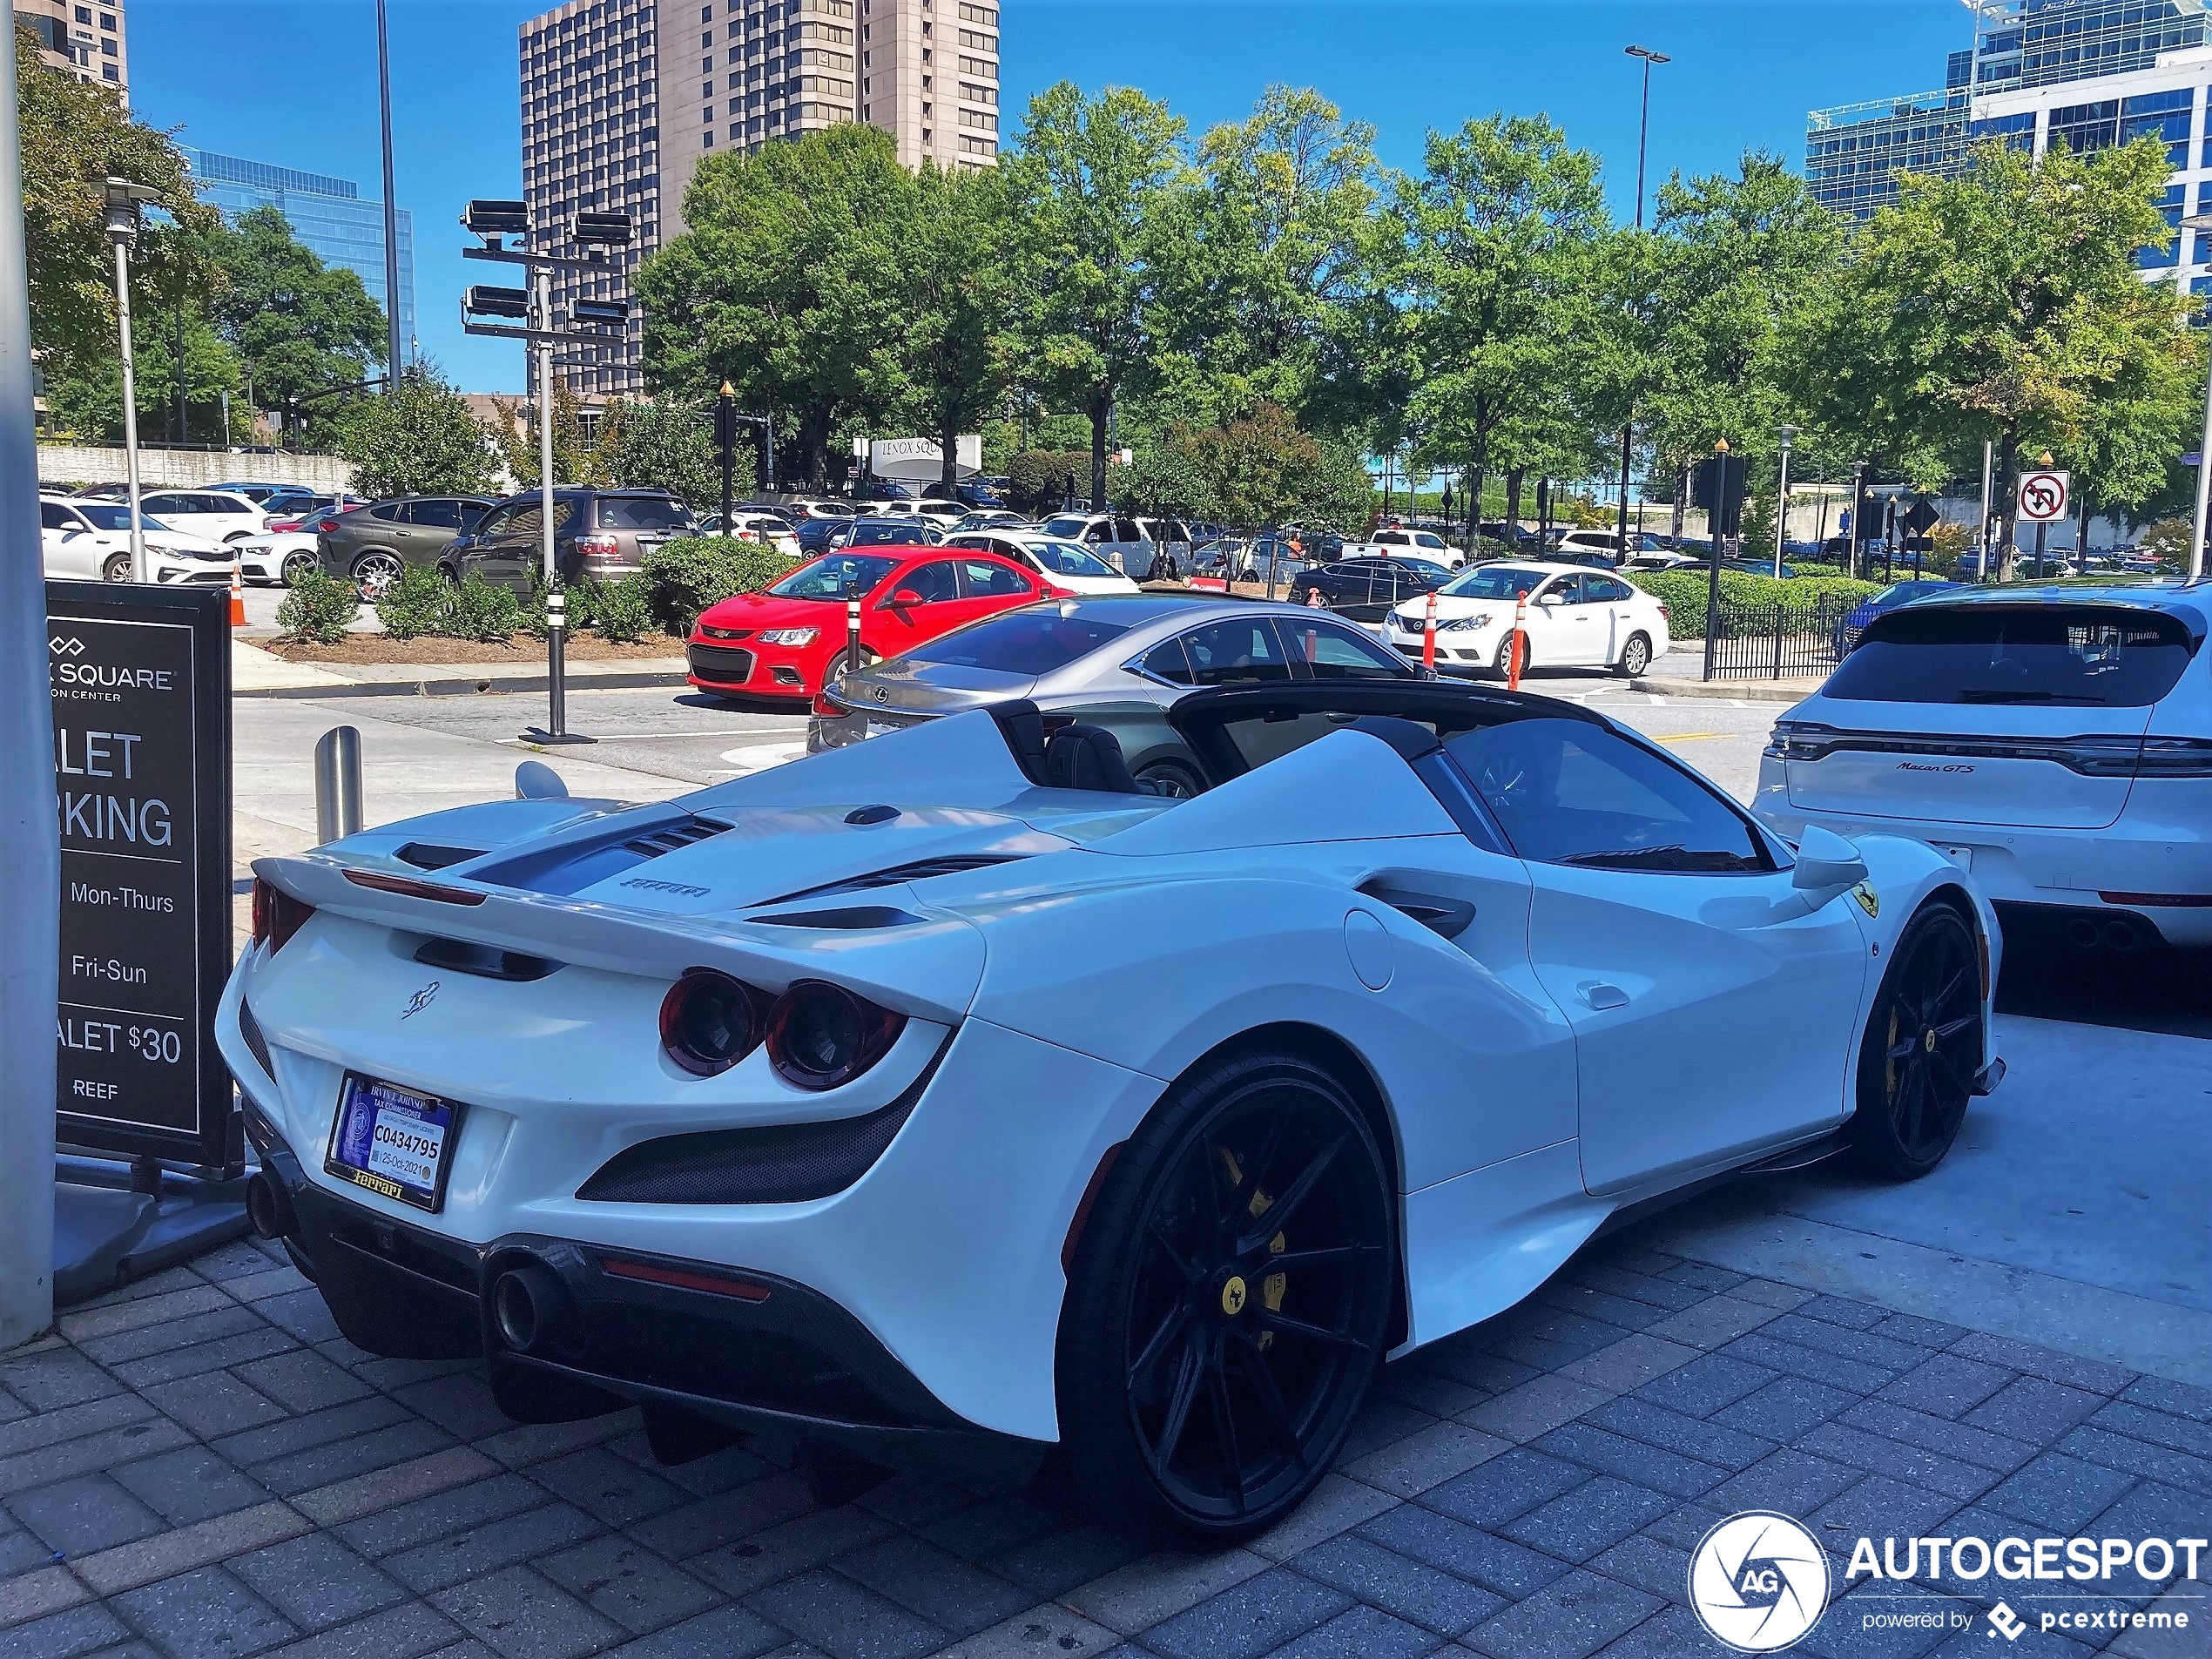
140 678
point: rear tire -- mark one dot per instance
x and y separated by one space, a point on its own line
1210 1369
1636 657
376 574
1922 1049
1171 779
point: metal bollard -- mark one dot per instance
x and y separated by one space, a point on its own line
338 784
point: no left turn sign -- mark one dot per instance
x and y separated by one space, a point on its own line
2044 495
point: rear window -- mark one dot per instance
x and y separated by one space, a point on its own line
642 513
1022 642
2077 655
890 535
1065 528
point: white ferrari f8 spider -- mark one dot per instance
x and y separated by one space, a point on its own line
948 1094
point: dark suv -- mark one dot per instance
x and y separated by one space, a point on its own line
599 535
371 545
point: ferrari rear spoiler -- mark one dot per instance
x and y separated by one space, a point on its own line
923 963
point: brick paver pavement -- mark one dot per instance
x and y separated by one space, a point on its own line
200 1466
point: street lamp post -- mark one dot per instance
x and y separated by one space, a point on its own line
392 363
1782 501
123 201
1644 137
30 847
494 221
2200 222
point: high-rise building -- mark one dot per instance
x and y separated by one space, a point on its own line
2085 73
592 141
327 216
622 99
85 41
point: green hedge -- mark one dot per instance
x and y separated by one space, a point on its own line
684 576
318 608
1683 594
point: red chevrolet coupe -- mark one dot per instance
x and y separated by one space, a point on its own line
783 642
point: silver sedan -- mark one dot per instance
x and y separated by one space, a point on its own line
1115 662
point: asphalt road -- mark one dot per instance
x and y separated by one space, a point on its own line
681 735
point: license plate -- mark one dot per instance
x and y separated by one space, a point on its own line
392 1141
883 728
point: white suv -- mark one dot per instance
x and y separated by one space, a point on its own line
2056 743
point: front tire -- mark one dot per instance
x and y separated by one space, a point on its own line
298 565
117 568
1210 1361
1922 1050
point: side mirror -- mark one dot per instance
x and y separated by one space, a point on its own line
906 597
1827 865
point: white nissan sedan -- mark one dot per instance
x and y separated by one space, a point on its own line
2058 744
1573 619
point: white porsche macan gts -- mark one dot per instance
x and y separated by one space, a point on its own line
948 1097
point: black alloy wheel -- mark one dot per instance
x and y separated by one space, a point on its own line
1923 1047
1228 1303
1171 779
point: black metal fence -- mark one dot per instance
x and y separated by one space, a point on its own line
1772 642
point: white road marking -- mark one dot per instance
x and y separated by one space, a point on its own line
760 755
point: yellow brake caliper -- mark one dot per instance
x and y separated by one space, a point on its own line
1271 1287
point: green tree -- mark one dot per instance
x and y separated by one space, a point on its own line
2005 306
76 135
1089 181
296 325
422 440
959 303
668 444
1275 256
791 284
1501 233
577 459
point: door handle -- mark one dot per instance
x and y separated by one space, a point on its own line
1601 997
1446 918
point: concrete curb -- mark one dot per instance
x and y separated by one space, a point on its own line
1730 691
471 686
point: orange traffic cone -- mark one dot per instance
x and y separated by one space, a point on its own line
238 599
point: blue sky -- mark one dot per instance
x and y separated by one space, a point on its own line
293 81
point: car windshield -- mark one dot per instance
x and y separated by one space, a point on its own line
1065 558
1427 568
1494 582
114 517
840 575
1064 528
1028 642
910 535
2079 656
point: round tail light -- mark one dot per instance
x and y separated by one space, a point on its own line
709 1022
821 1036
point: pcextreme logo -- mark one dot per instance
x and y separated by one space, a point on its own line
1759 1582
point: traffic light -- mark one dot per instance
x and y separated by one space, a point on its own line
1717 486
604 230
498 302
497 218
611 313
